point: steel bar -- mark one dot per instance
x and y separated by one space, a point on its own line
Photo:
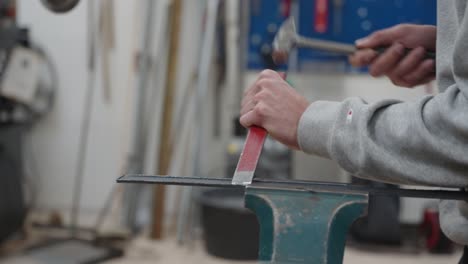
206 54
325 45
85 121
298 185
139 139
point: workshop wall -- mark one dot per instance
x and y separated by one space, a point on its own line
55 139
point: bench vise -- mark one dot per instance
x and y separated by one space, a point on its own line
301 221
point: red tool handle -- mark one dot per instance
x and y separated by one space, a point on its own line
286 8
253 147
321 16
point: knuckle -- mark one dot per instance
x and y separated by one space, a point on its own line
353 60
267 73
410 80
394 80
246 92
397 50
398 82
374 71
402 26
402 29
257 111
428 66
263 83
359 59
408 84
260 96
397 72
260 110
419 51
378 35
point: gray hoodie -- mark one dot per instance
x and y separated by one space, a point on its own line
422 142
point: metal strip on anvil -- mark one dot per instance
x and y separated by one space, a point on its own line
312 186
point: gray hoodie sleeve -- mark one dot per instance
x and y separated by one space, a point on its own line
421 142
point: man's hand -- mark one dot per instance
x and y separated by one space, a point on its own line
274 105
407 70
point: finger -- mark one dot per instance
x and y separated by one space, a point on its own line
362 58
283 75
268 74
408 63
250 119
248 106
252 91
404 83
247 98
377 39
424 70
265 74
388 60
262 79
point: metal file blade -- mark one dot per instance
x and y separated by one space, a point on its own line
310 186
249 157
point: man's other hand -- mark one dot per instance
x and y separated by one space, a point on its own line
274 105
406 70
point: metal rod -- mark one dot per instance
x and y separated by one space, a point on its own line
85 123
202 90
139 137
297 185
332 46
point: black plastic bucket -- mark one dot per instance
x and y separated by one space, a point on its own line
230 230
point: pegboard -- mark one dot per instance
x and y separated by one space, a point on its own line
343 21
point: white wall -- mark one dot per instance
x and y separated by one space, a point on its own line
55 139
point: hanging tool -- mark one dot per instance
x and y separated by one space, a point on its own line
338 16
60 6
107 44
256 6
321 16
286 8
166 147
206 54
287 38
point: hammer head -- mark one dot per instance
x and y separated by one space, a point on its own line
284 41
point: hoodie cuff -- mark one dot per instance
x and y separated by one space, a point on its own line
315 128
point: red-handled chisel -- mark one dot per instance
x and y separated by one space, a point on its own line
249 157
250 154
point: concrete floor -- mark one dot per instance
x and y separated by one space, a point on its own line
142 251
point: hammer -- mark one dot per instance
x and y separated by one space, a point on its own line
287 38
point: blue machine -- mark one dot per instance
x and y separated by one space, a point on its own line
346 21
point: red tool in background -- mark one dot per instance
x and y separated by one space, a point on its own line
286 8
321 16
